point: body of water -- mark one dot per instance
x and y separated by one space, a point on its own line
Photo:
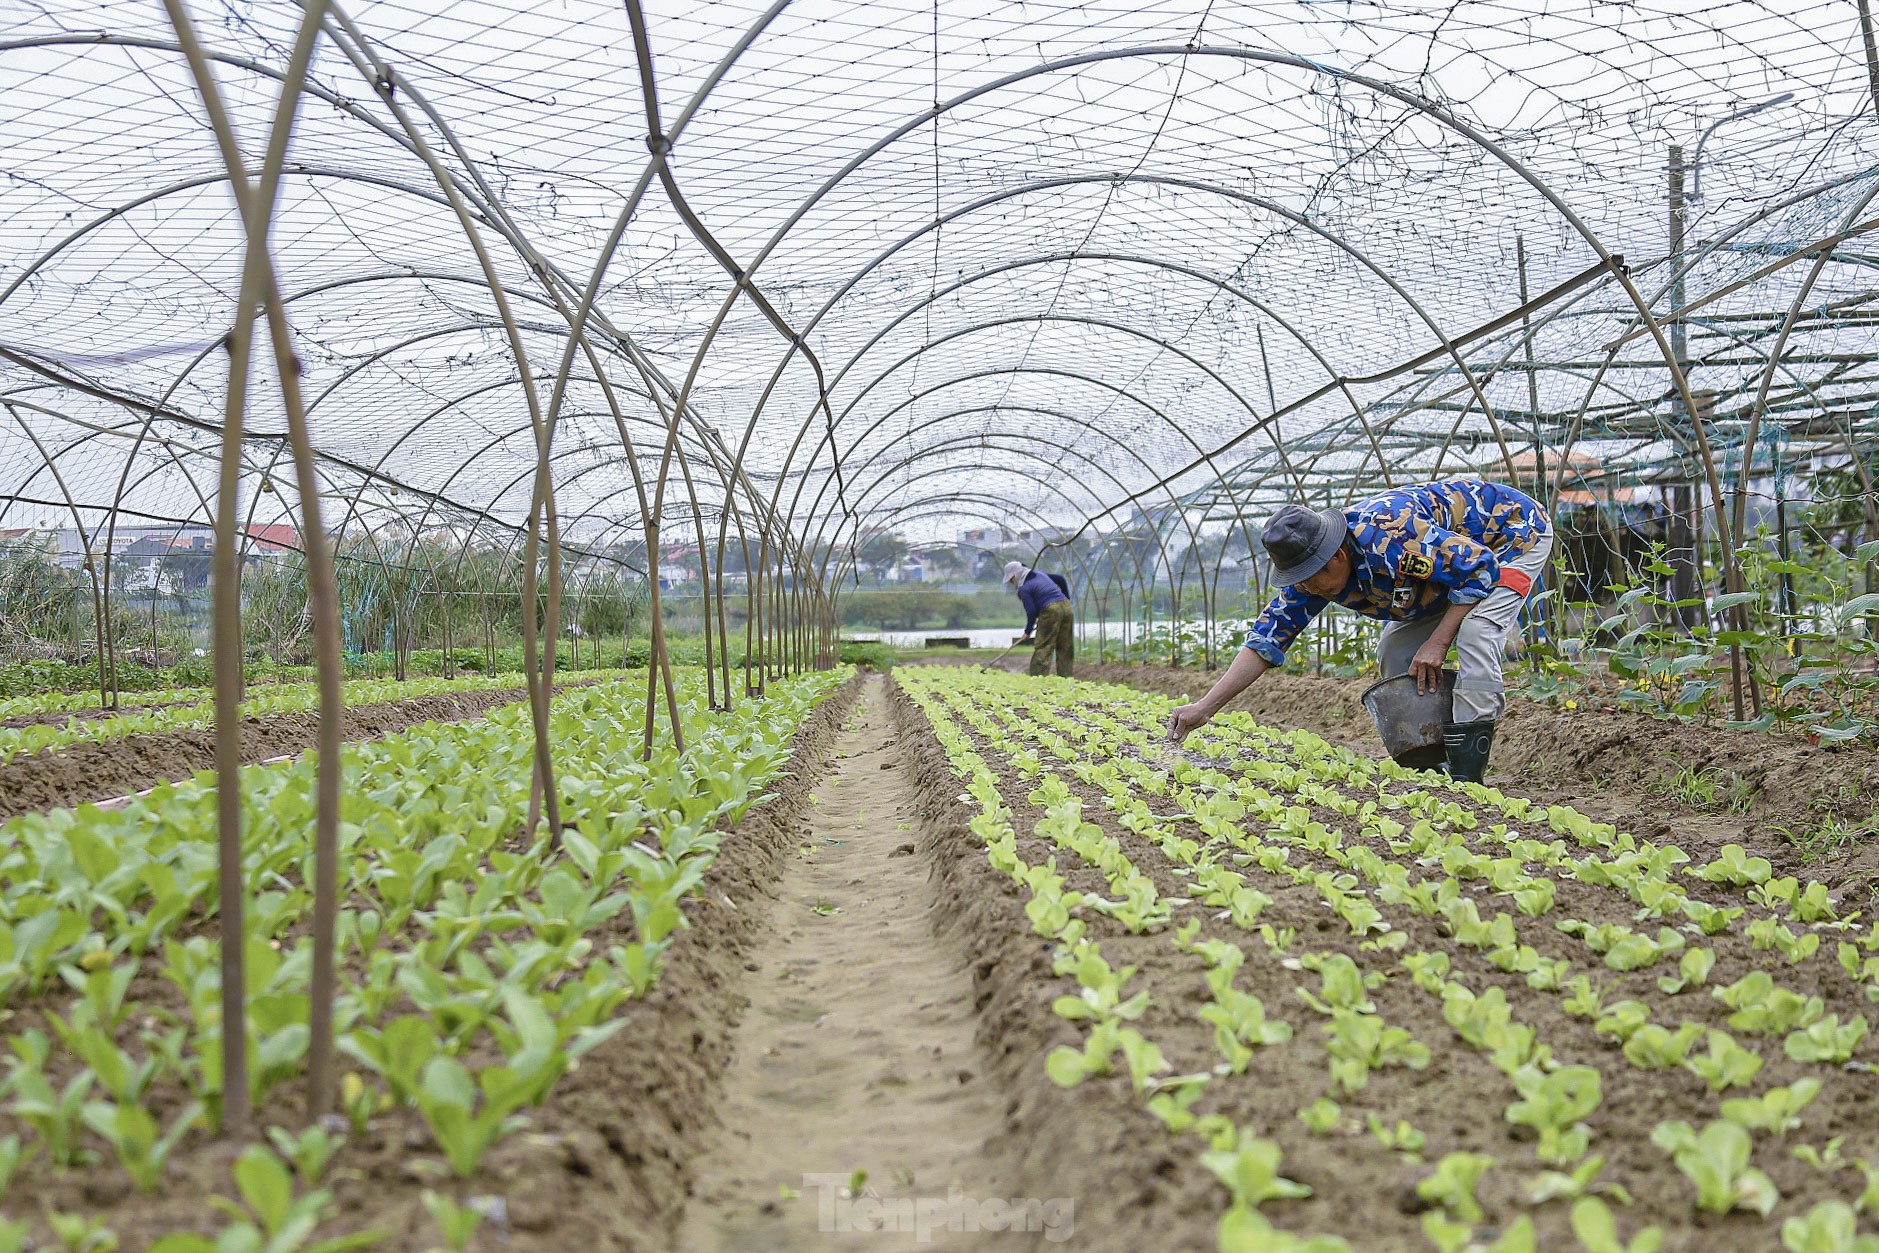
994 637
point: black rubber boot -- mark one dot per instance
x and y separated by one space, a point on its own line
1468 745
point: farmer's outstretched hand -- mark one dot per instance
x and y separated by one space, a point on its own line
1185 719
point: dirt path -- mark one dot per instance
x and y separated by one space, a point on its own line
856 1051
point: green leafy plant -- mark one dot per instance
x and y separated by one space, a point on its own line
1726 1065
1764 1009
457 1223
142 1146
467 1116
1555 1105
1582 1180
1452 1184
1692 972
268 1218
1322 1116
309 1150
1361 1043
1637 950
1652 1047
1716 1160
1250 1170
1401 1138
81 1233
1736 866
1345 988
1777 1110
1826 1159
1826 1041
1829 1227
1597 1230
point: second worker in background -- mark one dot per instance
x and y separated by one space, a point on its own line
1049 621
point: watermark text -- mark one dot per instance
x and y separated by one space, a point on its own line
840 1209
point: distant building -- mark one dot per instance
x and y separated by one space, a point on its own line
141 552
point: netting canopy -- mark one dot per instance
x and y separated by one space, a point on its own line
825 269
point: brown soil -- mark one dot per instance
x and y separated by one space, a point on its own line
1364 1191
856 1050
76 773
605 1164
1131 1184
1613 764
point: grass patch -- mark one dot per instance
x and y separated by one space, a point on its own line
1709 790
1827 837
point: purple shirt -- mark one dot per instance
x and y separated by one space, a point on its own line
1037 590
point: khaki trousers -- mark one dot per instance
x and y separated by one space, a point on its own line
1480 645
1055 634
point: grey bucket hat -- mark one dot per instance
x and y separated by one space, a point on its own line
1302 541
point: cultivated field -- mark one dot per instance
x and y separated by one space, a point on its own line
993 962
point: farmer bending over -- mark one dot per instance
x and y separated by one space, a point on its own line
1443 563
1049 622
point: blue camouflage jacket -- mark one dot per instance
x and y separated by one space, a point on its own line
1414 551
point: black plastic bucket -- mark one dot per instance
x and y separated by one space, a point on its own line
1410 722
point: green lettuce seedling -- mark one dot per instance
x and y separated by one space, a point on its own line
1735 866
1692 972
1449 1236
1402 1138
1361 1043
1553 1185
1726 1065
458 1223
55 1114
1345 988
1172 1100
81 1233
1240 1025
1717 1162
269 1218
1825 1159
1622 1020
1635 951
1586 999
464 1126
1427 970
398 1052
1322 1116
1765 1009
1453 1183
1597 1230
1555 1105
1829 1227
1772 933
1250 1171
1777 1110
13 1155
1244 1230
1101 995
1711 919
1143 1058
309 1150
1860 968
1826 1040
1652 1047
141 1145
1067 1067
